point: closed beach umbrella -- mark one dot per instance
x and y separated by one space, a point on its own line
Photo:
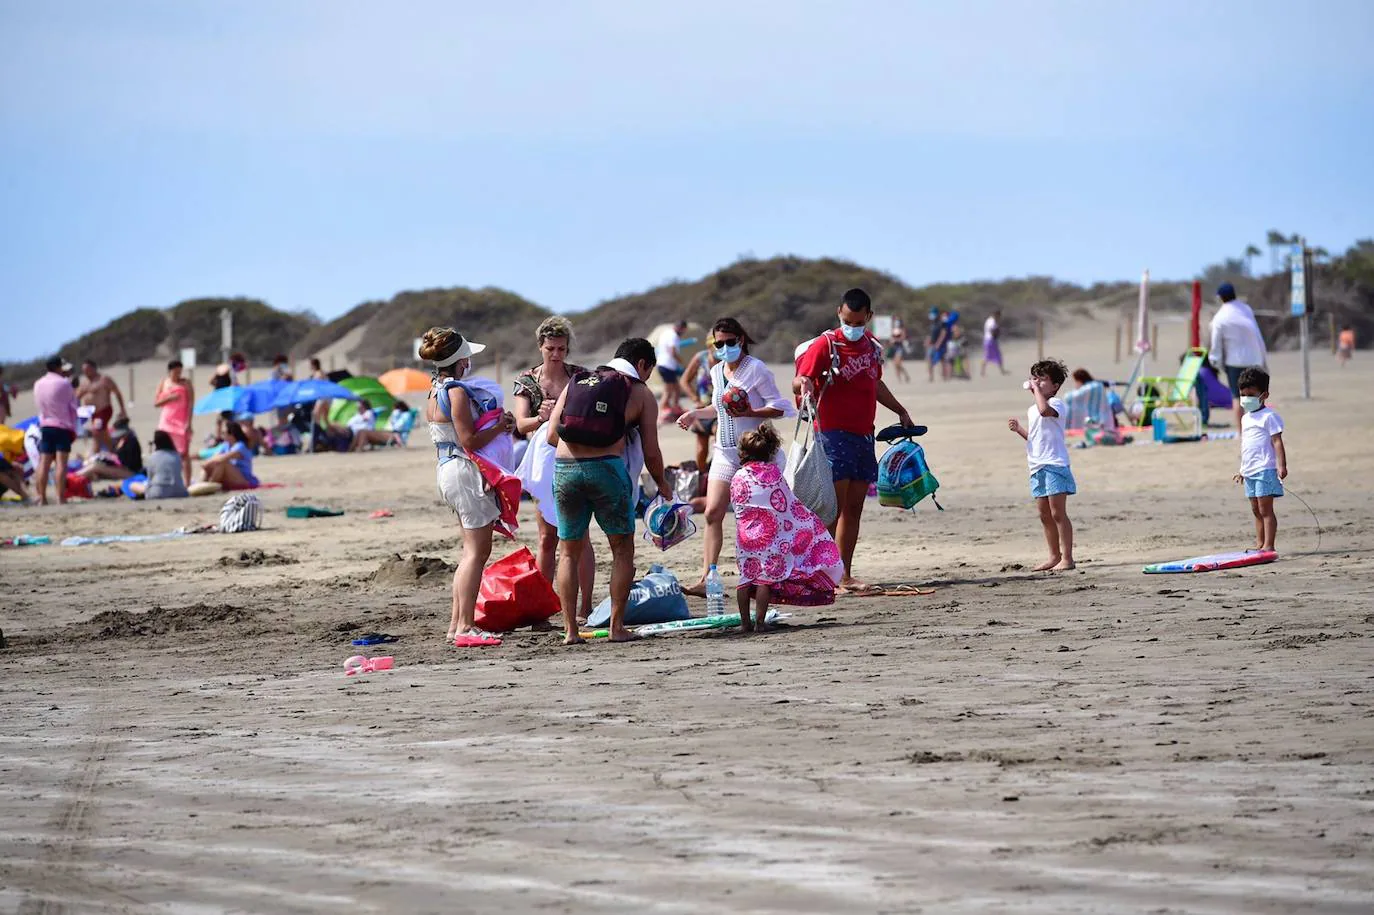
405 381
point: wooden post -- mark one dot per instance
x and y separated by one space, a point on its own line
1331 318
129 391
1118 343
499 379
331 362
1039 339
1154 342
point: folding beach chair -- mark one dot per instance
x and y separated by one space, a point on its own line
1154 391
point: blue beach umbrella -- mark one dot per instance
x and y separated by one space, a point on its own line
311 390
221 399
261 397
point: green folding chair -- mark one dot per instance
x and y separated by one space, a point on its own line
1170 391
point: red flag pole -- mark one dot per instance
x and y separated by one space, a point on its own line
1194 327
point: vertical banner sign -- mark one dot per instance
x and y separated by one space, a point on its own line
1299 274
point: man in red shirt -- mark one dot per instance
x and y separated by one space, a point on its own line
843 368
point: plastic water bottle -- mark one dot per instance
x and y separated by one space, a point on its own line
715 594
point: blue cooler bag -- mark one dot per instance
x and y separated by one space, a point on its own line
655 598
904 477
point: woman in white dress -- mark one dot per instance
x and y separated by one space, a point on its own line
744 394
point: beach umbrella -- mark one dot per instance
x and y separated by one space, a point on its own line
405 381
220 400
309 391
260 397
370 390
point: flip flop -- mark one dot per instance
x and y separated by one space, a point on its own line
467 640
374 638
865 591
382 513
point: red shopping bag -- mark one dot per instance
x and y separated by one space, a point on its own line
514 594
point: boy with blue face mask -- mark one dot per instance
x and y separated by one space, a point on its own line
1263 461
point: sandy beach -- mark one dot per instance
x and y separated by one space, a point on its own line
178 735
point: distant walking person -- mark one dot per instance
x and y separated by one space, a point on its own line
668 352
1237 343
96 391
175 397
591 421
1345 345
992 345
897 350
56 403
937 339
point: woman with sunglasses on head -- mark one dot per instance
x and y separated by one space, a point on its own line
744 394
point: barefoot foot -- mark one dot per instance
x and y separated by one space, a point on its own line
625 635
573 638
1068 565
1048 564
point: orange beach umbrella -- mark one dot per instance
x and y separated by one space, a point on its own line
405 381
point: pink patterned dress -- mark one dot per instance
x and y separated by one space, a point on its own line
780 542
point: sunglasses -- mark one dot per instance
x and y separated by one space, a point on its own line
723 343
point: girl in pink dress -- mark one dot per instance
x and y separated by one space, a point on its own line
785 554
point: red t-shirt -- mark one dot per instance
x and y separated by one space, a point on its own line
849 403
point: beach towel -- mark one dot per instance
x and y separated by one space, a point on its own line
536 473
780 542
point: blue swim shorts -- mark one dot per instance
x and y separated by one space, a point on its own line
1264 483
597 487
1052 480
852 457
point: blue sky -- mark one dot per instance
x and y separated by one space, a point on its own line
319 154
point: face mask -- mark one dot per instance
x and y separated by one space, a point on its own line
730 354
1251 404
851 333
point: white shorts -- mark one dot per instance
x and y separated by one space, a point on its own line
463 489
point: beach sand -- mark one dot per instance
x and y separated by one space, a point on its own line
1096 741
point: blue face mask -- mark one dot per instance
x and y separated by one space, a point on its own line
851 333
730 354
1251 404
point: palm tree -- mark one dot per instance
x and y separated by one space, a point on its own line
1275 240
1250 252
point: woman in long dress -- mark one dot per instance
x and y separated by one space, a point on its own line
536 392
744 394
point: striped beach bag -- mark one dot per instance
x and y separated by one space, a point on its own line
242 512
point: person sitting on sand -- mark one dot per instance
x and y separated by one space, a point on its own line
399 424
1089 402
161 472
1047 452
125 460
784 552
363 426
12 478
232 469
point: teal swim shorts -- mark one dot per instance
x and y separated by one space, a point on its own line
593 486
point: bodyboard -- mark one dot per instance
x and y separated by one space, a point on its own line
1213 563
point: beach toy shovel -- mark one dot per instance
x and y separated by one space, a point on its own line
361 665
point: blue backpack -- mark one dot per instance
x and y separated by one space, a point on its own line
904 477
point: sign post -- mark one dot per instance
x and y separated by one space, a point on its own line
226 334
1298 272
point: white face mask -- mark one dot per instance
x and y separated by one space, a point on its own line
1251 404
851 333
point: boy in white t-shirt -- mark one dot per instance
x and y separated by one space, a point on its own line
1051 480
1263 462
